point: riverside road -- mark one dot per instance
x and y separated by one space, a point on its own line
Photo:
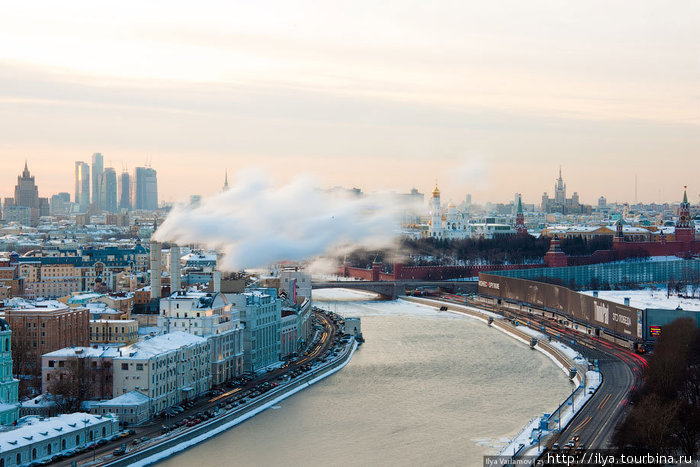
594 425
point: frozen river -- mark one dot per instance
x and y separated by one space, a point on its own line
427 388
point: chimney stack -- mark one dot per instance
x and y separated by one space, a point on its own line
175 280
155 269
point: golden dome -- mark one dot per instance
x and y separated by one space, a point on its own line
436 192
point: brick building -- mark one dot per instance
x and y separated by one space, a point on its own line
42 327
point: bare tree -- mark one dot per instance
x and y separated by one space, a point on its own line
72 386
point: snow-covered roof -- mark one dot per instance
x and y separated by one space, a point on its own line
103 351
131 398
22 304
161 344
47 428
648 298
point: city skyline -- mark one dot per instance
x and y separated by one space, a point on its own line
462 93
211 188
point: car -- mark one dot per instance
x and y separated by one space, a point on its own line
119 451
555 447
575 438
102 442
123 434
144 439
132 432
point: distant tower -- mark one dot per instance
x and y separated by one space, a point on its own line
619 235
685 230
435 214
555 257
560 190
520 218
97 169
225 181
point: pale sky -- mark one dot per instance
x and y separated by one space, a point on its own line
487 97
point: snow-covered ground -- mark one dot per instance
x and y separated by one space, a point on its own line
529 435
648 298
343 295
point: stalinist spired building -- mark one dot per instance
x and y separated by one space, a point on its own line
560 203
26 207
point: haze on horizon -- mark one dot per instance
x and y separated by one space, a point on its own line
489 98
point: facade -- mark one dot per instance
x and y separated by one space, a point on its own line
210 316
44 326
40 440
169 369
110 331
261 315
93 362
27 196
145 189
108 192
82 185
9 408
97 169
131 408
124 191
60 204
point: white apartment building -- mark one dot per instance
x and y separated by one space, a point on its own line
169 369
261 315
208 315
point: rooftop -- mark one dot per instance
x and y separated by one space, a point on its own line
160 344
40 429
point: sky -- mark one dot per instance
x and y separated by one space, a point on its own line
484 97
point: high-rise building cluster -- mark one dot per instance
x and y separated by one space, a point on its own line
101 189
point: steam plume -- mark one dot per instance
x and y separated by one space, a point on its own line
255 224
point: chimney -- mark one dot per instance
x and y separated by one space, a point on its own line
216 278
175 279
155 269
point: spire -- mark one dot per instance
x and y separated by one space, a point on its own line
226 180
685 194
520 204
25 172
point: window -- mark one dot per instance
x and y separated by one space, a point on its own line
61 363
139 366
125 366
51 363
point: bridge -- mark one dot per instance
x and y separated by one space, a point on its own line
391 290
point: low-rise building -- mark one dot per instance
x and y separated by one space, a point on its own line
131 408
92 365
42 438
169 369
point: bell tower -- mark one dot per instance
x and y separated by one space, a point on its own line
520 218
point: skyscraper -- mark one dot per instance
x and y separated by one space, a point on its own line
27 196
82 185
109 190
145 188
125 191
97 168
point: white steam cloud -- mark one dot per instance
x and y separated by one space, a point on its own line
254 224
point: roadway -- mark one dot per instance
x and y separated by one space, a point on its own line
595 423
153 429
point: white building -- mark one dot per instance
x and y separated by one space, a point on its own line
168 369
453 225
296 284
208 315
261 315
42 438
